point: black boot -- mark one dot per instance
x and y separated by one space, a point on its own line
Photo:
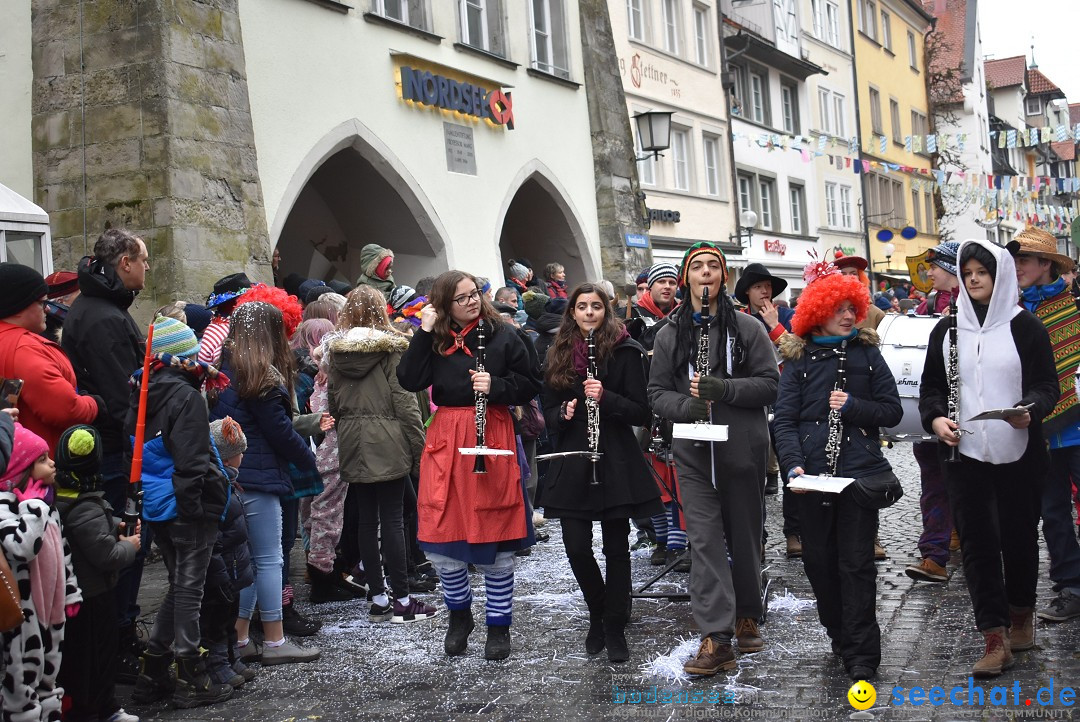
296 625
194 687
129 649
156 680
457 635
326 587
617 603
615 640
498 643
594 640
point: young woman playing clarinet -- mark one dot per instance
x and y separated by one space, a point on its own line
999 356
466 517
835 391
594 393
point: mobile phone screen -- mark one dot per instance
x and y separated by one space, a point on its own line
9 393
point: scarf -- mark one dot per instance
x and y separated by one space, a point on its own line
649 305
1056 308
834 340
459 339
203 372
47 577
581 350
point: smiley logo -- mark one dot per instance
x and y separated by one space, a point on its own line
862 695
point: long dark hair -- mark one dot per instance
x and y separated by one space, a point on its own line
683 318
559 369
442 298
259 350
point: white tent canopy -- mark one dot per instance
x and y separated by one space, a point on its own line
24 232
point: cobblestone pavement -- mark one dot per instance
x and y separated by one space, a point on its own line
399 672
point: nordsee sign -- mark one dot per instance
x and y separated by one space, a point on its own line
438 91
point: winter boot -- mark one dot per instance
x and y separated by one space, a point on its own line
326 587
156 680
498 642
1022 629
594 640
297 625
129 649
194 687
457 635
218 667
615 640
998 656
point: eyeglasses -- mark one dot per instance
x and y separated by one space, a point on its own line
466 300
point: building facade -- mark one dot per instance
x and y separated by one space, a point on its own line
455 133
771 121
670 60
891 74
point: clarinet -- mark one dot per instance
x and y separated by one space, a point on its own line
592 406
836 430
952 377
701 363
481 403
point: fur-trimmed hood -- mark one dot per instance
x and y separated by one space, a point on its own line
792 346
359 350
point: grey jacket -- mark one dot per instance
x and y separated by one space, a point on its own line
91 531
751 388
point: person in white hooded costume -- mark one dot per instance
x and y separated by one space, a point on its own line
1005 360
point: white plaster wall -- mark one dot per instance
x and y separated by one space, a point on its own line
16 81
670 82
311 70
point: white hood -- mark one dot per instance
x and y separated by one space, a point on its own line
989 362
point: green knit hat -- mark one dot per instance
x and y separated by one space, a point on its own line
174 337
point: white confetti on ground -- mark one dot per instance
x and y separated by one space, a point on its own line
670 666
788 602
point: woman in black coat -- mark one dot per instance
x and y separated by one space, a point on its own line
837 531
625 488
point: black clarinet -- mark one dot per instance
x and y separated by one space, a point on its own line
479 467
836 424
701 363
592 407
952 377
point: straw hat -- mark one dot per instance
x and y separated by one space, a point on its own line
1037 242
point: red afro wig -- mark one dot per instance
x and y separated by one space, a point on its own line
291 310
819 301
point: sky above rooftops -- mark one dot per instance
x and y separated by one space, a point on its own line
1008 30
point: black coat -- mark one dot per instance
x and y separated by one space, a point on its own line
176 410
230 562
97 554
800 424
626 489
105 346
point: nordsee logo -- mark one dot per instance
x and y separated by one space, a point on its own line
423 86
976 696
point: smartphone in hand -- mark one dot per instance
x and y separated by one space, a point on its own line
9 393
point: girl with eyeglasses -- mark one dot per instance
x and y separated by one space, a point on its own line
468 518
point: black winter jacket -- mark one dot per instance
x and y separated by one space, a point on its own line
105 346
177 411
230 562
800 425
627 489
97 554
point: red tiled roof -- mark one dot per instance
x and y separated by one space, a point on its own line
1039 84
1066 150
1006 72
1074 113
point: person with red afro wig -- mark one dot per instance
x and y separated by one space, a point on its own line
291 311
819 301
837 529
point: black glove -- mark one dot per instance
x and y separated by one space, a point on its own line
699 409
712 388
102 412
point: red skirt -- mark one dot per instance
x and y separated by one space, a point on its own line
454 504
666 472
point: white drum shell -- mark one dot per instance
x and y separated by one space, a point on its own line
904 340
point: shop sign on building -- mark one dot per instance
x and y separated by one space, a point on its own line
439 91
777 246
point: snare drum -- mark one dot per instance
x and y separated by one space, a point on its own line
903 344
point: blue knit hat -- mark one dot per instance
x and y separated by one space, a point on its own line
173 337
944 256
